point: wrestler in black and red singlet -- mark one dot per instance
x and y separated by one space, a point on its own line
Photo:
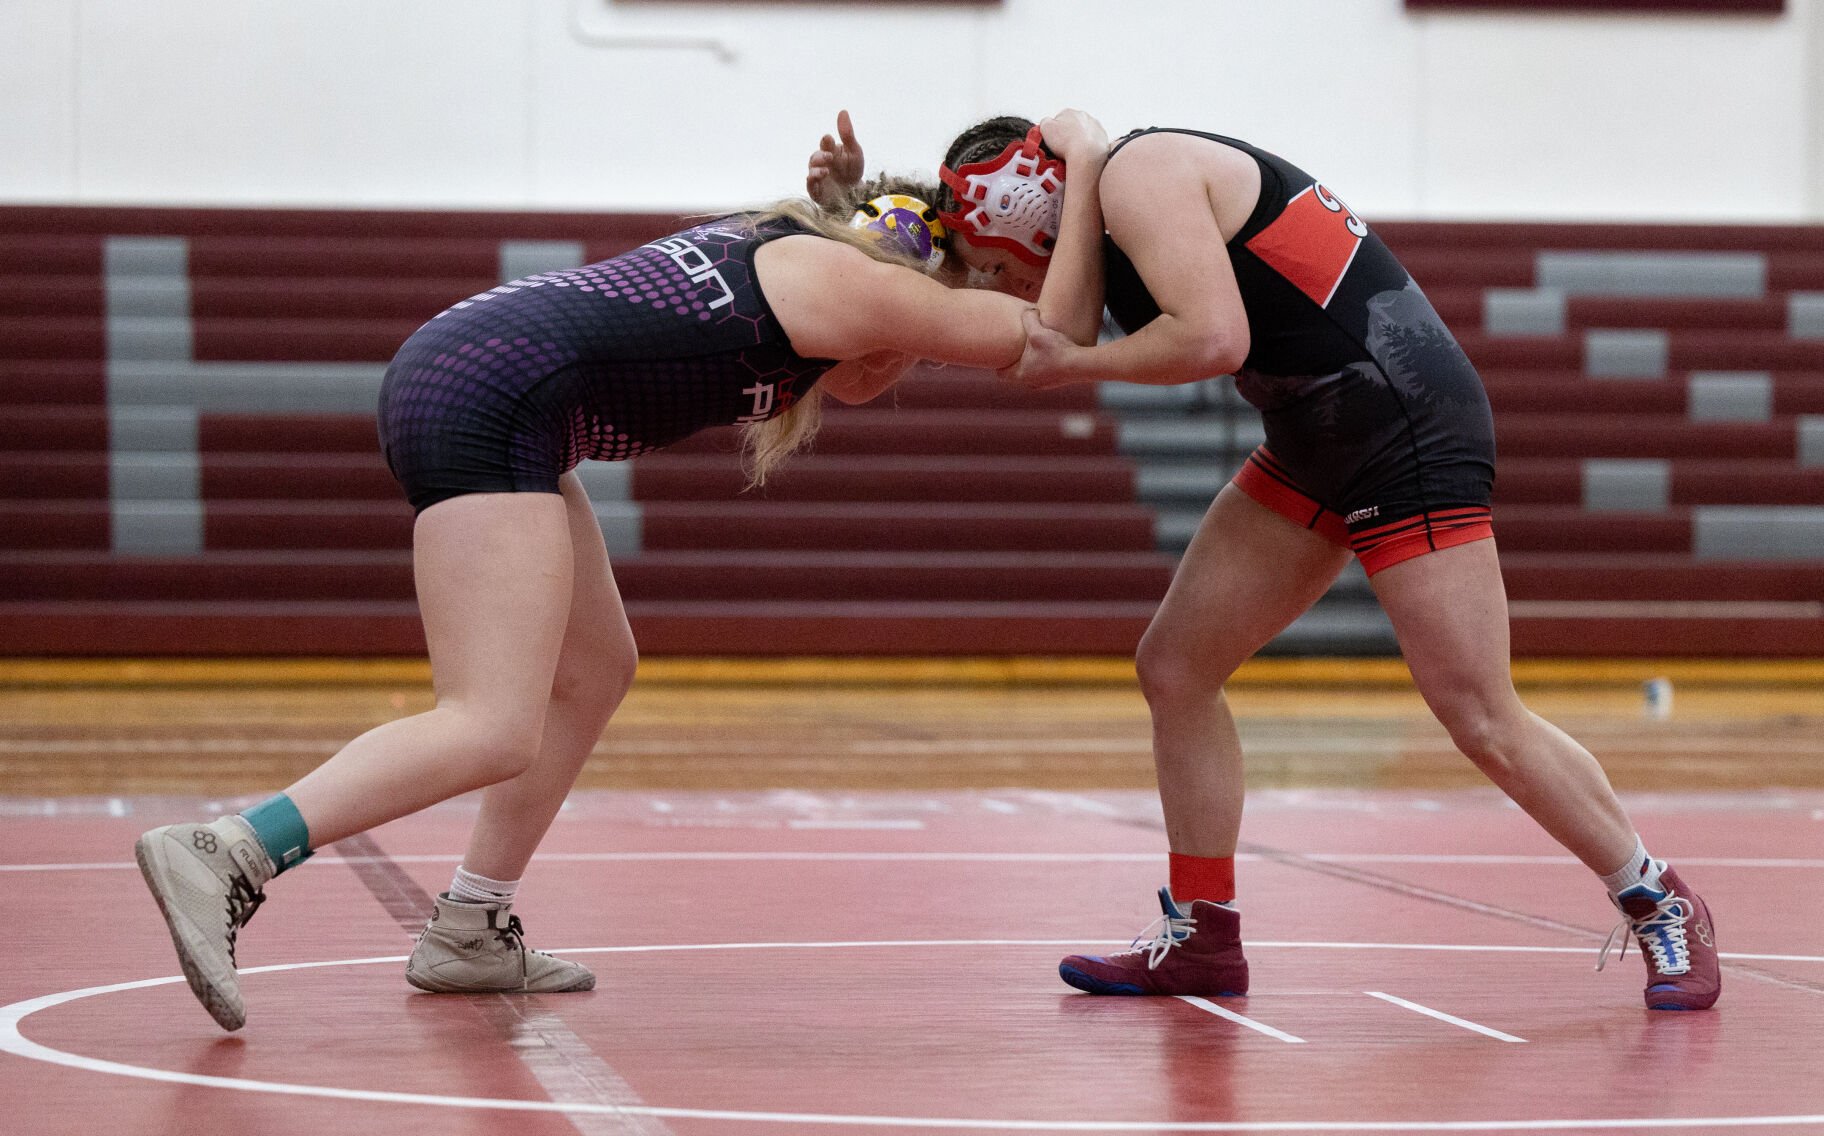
606 361
1378 430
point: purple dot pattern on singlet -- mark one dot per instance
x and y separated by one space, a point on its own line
510 388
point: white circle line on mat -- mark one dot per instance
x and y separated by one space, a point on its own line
14 1041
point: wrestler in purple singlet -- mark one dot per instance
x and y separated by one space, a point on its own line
506 391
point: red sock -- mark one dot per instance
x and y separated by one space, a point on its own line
1203 877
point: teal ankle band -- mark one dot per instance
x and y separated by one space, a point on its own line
281 831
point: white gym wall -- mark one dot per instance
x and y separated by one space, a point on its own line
651 104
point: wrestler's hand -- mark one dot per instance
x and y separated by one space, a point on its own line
836 165
1075 137
1043 364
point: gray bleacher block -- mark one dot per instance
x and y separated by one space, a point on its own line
1730 396
621 525
1182 481
247 388
167 257
1204 394
148 382
1523 311
157 528
138 476
1811 440
610 489
606 481
154 473
529 258
275 388
152 428
1758 532
1190 434
146 293
1805 315
164 339
1353 628
1625 354
1143 398
1174 528
148 296
1719 274
1627 485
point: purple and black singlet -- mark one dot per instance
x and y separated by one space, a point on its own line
508 390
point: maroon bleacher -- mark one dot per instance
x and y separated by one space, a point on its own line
959 516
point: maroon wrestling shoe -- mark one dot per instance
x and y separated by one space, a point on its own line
1195 952
1678 940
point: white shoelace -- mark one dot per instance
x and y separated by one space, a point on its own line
1661 934
1167 932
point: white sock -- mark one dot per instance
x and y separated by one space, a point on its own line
468 887
1639 869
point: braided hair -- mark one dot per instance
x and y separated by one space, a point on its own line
979 143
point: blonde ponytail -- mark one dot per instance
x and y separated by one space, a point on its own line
765 445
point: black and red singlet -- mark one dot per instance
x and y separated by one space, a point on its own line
1378 429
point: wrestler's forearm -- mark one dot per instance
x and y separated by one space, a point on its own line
1166 352
1071 299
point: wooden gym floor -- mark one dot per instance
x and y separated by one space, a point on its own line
830 897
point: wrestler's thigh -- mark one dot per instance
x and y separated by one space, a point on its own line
1248 573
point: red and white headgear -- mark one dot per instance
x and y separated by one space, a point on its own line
1011 201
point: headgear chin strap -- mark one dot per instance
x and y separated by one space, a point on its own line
907 224
1011 202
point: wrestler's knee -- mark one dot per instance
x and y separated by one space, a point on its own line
1486 726
1174 667
497 743
594 672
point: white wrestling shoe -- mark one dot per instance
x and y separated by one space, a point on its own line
479 948
207 880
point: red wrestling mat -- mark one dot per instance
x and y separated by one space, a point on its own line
792 962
